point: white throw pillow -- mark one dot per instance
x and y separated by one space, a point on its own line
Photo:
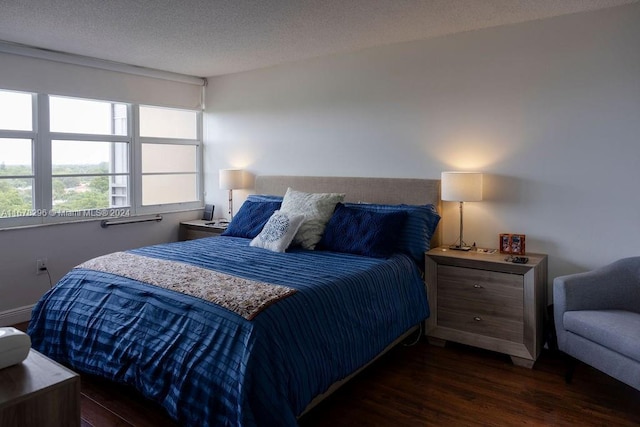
278 232
317 209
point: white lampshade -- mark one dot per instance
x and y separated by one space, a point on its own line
232 179
461 186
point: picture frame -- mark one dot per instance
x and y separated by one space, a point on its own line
505 243
513 244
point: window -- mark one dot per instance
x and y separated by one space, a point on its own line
16 154
168 123
169 134
16 111
89 175
63 157
72 115
16 176
89 154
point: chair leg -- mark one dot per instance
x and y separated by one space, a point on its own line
549 329
571 368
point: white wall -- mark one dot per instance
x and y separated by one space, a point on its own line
550 110
65 246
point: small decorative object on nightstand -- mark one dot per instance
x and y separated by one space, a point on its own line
487 301
512 243
199 228
14 346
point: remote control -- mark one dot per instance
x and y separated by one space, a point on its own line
520 260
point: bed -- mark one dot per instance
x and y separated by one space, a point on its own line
314 319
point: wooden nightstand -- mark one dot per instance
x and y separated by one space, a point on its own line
482 300
39 392
198 228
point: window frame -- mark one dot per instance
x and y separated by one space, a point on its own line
42 168
47 201
13 221
137 148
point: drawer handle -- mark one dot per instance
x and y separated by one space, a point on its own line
477 286
477 319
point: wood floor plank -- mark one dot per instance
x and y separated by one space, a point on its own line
426 385
125 402
96 415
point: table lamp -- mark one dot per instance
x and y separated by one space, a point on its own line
231 179
461 187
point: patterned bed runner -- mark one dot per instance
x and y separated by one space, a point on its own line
244 297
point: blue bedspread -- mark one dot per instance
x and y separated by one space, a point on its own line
209 366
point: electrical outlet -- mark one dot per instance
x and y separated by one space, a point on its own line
41 265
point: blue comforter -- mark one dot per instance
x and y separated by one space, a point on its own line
209 366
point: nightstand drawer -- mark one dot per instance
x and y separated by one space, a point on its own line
482 324
480 291
489 286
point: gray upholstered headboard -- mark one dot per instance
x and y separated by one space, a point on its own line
360 190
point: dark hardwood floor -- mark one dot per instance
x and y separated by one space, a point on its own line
425 385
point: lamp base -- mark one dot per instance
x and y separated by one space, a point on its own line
460 248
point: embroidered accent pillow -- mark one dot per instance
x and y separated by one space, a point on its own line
317 209
278 232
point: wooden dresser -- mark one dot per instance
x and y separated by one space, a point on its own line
39 392
482 300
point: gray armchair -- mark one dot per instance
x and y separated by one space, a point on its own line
597 317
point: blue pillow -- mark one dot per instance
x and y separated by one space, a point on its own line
415 237
264 198
362 232
251 218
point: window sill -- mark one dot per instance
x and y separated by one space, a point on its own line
9 224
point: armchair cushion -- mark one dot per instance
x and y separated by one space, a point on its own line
617 330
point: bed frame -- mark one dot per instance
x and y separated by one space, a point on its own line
359 190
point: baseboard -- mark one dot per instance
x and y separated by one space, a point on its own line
17 315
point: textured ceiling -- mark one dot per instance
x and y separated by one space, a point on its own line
212 37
